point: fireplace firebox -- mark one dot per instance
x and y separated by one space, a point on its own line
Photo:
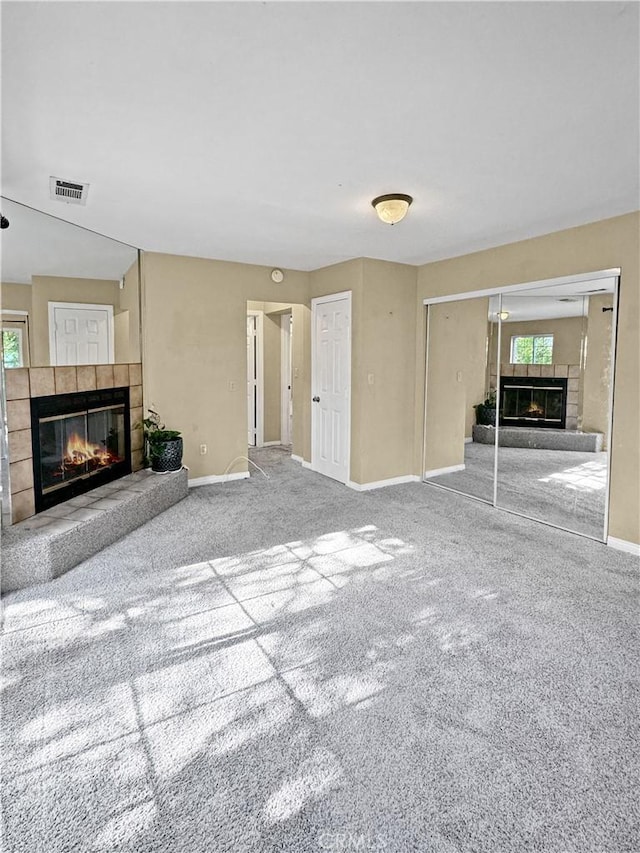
533 401
80 441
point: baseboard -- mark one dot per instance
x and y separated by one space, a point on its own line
380 484
302 461
468 440
623 545
437 471
271 444
217 478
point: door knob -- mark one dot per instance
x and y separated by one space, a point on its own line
316 399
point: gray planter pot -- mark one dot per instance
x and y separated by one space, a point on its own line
485 415
166 456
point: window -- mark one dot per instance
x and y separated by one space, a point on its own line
532 349
12 347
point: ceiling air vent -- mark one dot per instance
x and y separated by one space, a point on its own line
68 191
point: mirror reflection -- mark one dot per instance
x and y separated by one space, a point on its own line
69 296
554 391
458 391
518 400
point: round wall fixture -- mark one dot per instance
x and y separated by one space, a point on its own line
277 276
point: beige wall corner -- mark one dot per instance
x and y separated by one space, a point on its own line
195 350
383 381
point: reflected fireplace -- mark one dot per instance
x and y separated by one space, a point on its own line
80 441
533 401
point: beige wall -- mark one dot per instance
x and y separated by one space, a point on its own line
597 373
194 346
127 349
16 297
382 363
567 337
456 378
47 289
386 349
597 246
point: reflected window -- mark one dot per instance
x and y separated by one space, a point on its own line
12 347
532 349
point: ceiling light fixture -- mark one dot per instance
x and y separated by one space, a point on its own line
391 208
503 315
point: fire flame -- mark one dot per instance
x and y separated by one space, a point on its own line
79 451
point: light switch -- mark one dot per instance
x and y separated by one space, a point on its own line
459 376
232 385
371 378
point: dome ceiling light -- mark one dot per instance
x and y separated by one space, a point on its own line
391 208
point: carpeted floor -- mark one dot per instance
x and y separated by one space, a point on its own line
562 487
284 664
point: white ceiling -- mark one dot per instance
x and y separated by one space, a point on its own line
260 132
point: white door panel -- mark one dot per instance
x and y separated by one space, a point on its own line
80 334
331 386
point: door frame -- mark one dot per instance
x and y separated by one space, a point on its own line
86 306
259 376
315 302
286 381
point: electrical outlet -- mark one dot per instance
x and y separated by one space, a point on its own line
203 449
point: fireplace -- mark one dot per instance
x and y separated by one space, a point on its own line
533 401
80 441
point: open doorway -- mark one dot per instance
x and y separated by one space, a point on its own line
272 407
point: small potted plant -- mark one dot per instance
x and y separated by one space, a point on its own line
486 411
163 447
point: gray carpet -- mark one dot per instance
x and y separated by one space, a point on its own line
562 487
288 665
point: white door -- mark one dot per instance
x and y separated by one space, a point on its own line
286 398
252 381
80 334
331 385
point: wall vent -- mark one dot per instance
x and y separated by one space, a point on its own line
68 191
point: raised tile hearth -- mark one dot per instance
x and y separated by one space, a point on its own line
540 439
49 544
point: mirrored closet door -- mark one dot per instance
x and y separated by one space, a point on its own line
518 399
457 455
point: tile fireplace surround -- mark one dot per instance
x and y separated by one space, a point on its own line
24 383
